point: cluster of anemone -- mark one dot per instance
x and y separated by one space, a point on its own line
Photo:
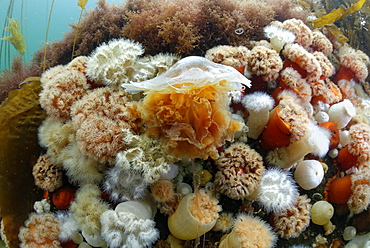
120 117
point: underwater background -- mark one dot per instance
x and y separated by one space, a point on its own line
33 16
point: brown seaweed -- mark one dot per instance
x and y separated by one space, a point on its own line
20 117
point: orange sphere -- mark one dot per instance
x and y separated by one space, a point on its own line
339 190
63 197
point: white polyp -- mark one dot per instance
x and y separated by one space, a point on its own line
349 233
172 173
341 113
322 117
344 137
184 189
309 174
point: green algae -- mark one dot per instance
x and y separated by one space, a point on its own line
20 117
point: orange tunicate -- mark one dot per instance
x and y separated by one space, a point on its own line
63 197
335 137
339 190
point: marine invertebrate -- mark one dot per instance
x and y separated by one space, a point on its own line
48 176
321 43
180 106
290 79
264 62
144 156
204 177
130 224
325 92
277 190
294 220
86 210
240 170
309 174
303 61
303 34
341 113
359 200
353 65
316 141
349 233
335 135
249 231
123 184
228 55
196 214
338 190
98 119
113 63
63 197
224 222
162 190
359 141
327 67
61 91
40 230
321 214
278 37
287 124
258 105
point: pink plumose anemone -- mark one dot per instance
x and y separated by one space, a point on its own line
264 62
353 64
40 230
303 61
48 176
303 34
326 66
294 220
359 141
228 55
321 43
290 79
325 91
359 200
61 91
241 168
99 118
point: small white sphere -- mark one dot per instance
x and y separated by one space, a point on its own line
349 233
184 189
333 153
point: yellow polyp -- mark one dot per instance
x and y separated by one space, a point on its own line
337 14
17 39
82 3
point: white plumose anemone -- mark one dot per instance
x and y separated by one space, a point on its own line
277 190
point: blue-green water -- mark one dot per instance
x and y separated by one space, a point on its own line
33 16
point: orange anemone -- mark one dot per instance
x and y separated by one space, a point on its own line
345 159
335 137
338 190
276 133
